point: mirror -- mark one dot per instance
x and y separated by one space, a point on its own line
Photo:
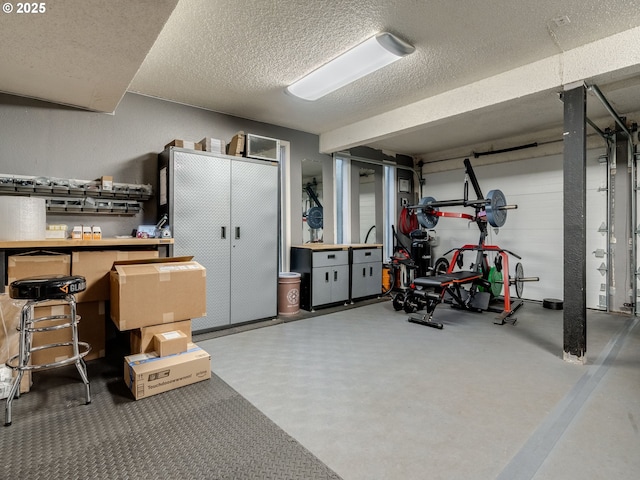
312 207
367 205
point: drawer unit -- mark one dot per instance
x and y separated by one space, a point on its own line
324 274
366 272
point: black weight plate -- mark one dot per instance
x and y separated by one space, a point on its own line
553 303
495 216
314 217
425 219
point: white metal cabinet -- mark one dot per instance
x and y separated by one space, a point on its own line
224 211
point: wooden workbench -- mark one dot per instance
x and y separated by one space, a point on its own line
69 245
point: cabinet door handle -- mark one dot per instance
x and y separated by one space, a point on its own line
326 277
335 275
364 271
237 233
223 232
331 256
367 254
371 271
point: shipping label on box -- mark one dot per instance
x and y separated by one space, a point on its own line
142 338
148 374
156 291
170 343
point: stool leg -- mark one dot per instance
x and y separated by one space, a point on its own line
80 365
24 348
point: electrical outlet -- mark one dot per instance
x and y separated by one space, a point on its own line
404 202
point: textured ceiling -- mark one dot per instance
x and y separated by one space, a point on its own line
482 71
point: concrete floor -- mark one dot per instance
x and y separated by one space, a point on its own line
376 397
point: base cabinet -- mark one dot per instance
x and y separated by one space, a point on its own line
366 272
324 275
332 274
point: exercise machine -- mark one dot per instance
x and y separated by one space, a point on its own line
480 287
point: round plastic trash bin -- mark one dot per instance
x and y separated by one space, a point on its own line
288 293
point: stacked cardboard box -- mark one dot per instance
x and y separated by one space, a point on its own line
92 304
155 300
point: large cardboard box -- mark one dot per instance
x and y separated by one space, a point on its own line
156 291
95 268
10 338
37 263
142 338
147 374
91 329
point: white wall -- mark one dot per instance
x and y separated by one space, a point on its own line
535 230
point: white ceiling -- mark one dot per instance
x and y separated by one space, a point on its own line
482 71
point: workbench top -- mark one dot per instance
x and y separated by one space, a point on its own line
71 243
326 246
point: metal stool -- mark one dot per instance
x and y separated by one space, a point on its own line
37 290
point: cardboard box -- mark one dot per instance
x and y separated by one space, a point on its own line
142 338
10 337
95 268
147 374
156 291
37 263
96 232
106 182
236 145
184 144
76 233
170 343
91 329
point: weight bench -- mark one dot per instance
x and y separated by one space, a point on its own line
433 290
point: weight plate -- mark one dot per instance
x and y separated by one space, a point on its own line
426 219
553 303
398 302
496 280
495 216
314 217
519 282
441 266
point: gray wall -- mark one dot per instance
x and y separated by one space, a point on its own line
44 139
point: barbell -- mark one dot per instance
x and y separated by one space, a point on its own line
495 208
496 280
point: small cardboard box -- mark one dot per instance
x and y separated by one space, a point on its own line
37 263
184 144
87 234
156 291
147 374
96 232
106 182
95 268
236 145
142 338
170 343
91 329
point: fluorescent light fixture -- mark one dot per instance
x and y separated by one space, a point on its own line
363 59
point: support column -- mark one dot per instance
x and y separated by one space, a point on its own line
575 245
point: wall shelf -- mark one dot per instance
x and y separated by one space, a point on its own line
78 196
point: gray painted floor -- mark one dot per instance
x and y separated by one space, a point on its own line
376 397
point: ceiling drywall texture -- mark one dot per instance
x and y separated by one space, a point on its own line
481 72
77 52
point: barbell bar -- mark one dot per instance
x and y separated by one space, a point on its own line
495 207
